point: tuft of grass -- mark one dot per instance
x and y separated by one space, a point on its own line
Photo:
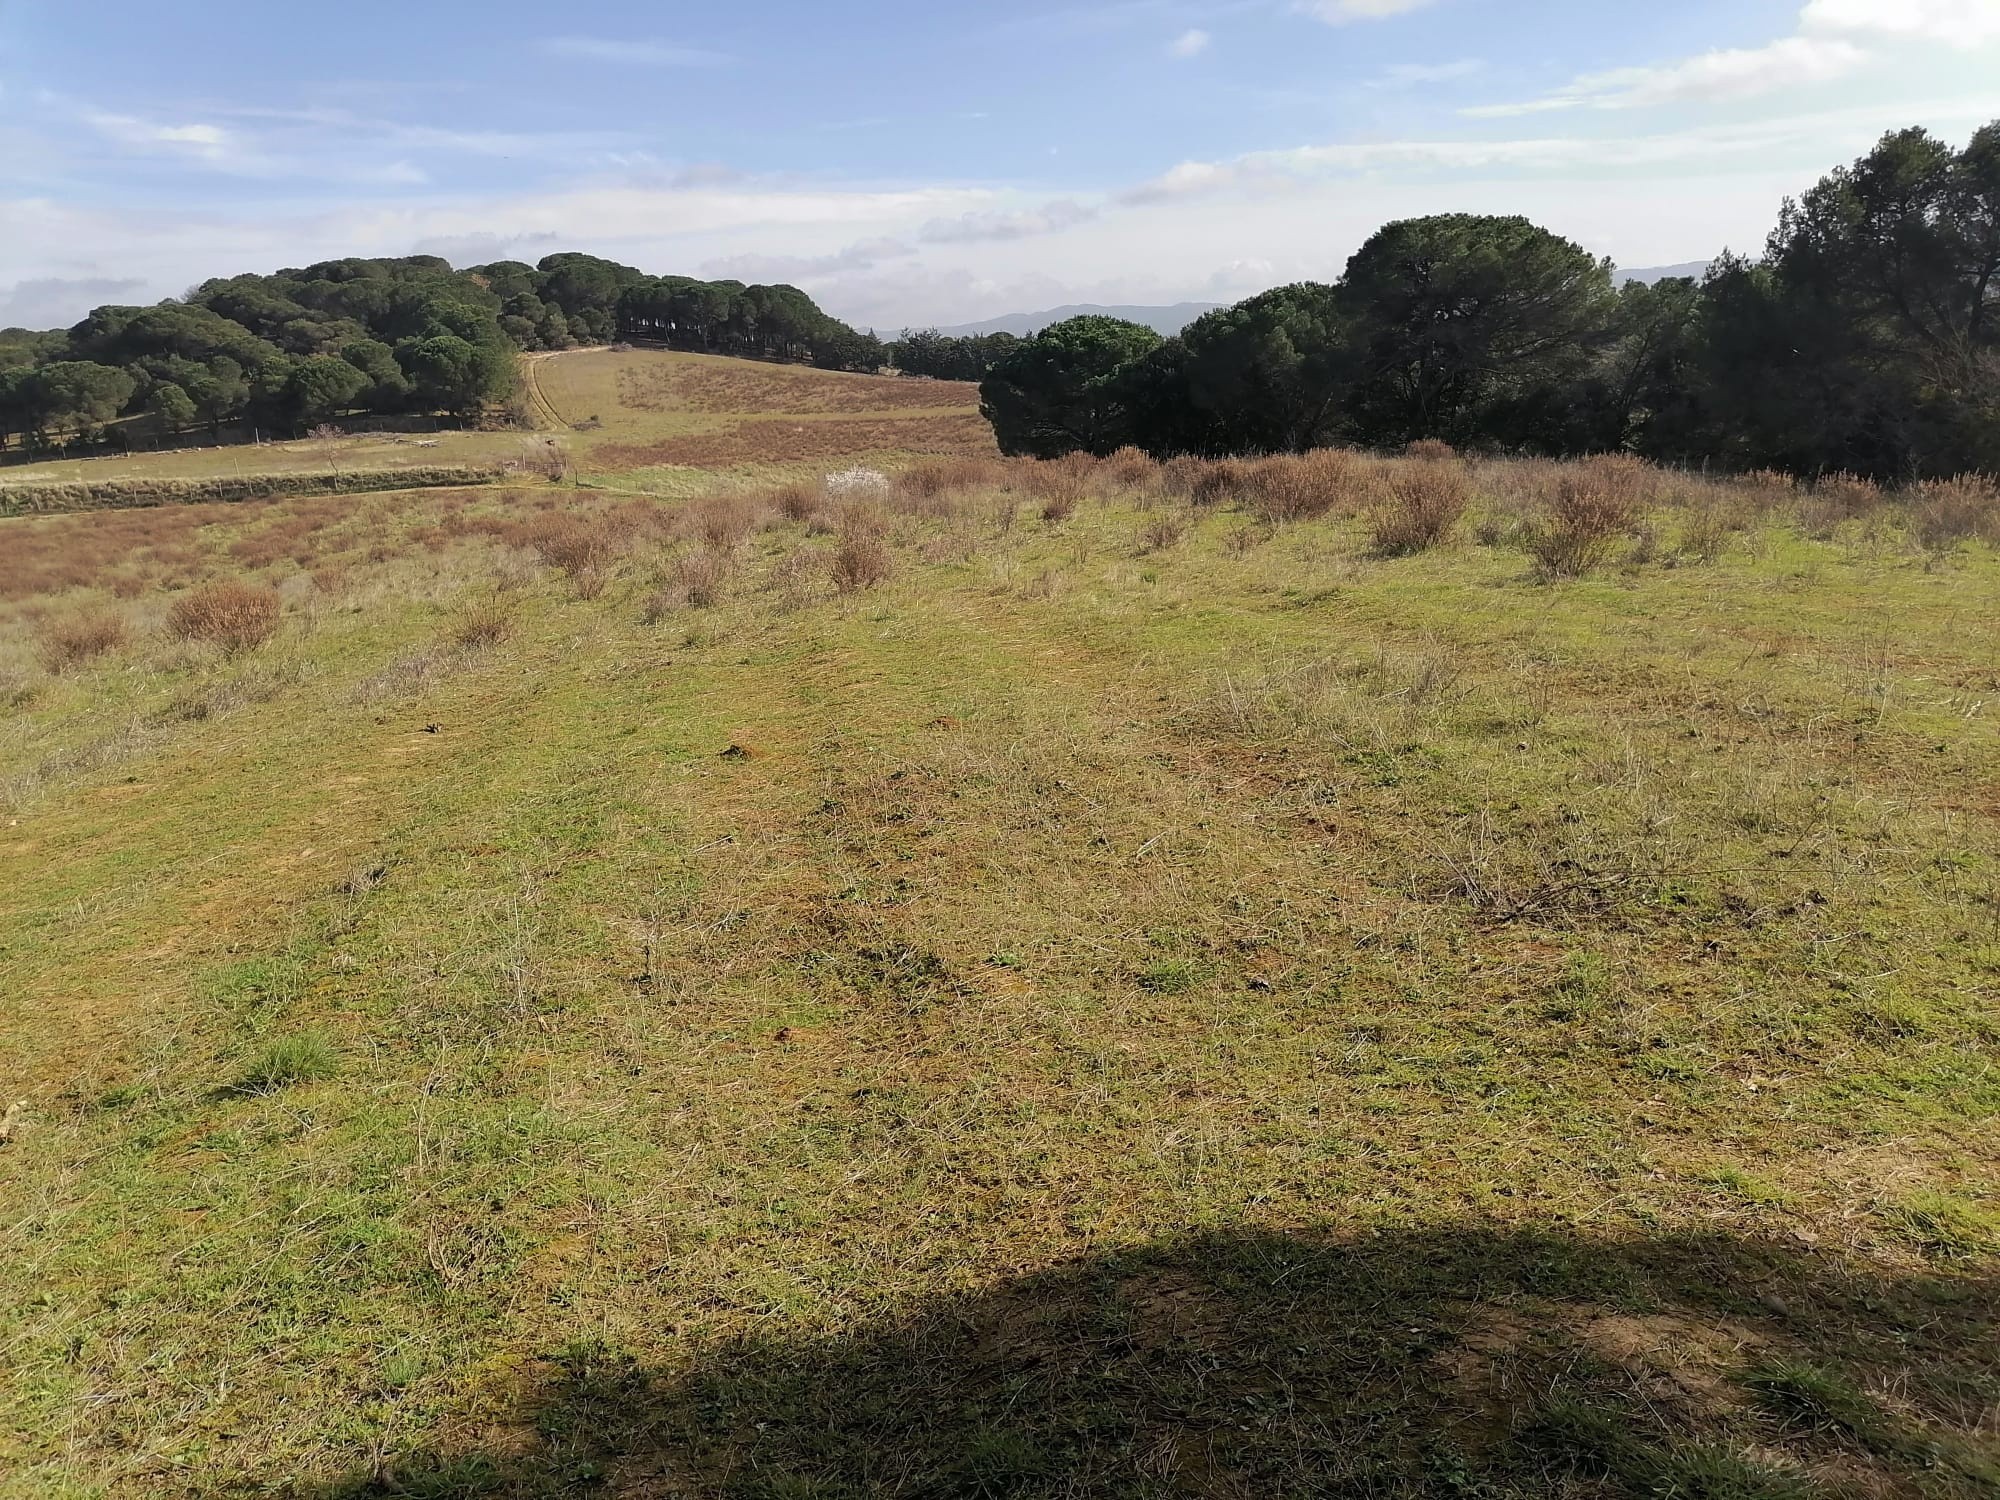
283 1062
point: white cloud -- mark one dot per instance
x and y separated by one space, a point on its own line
208 142
1959 21
648 53
1732 73
1190 43
1412 75
1806 137
57 302
972 228
1832 40
1340 12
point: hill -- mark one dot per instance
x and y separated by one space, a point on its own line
1165 320
1015 978
1694 270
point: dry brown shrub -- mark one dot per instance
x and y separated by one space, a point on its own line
1418 506
76 639
573 543
1059 483
1587 507
1762 489
1835 499
1307 486
1430 450
940 478
700 578
485 622
721 522
800 500
1177 476
1129 469
1945 512
1160 534
861 557
230 613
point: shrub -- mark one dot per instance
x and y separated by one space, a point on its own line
229 613
1418 506
942 477
63 644
1588 506
484 623
700 577
1162 533
1305 487
1945 512
1129 469
1059 483
861 558
799 500
1834 499
1430 450
857 485
580 546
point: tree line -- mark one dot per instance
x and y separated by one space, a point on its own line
291 350
1866 340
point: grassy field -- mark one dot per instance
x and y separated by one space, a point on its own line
646 420
1029 980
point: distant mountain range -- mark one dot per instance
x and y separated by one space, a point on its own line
1167 320
1694 269
1171 320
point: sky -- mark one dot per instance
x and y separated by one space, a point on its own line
912 164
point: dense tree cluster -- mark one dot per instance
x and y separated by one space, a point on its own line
1867 339
939 356
727 317
287 351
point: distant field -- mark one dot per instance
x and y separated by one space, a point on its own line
657 415
654 415
1038 980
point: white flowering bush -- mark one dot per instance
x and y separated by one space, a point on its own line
858 484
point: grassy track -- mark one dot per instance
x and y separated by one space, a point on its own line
1228 1016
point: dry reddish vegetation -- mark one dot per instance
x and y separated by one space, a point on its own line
824 440
712 389
71 642
229 613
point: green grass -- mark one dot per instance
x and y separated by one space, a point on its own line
1234 1020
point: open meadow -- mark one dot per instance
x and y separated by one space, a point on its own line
1338 975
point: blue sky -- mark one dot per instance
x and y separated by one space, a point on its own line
913 163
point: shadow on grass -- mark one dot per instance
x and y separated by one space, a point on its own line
1464 1362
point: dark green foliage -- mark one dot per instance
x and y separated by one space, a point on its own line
933 354
1866 341
1060 391
1266 374
1471 329
301 347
